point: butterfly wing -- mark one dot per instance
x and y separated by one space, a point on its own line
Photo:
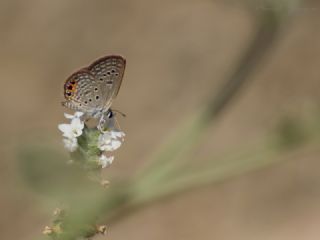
82 93
108 71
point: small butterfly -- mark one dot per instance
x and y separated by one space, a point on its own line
92 89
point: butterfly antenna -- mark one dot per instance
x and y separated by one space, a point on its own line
117 124
121 113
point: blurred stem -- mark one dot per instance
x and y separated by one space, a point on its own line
291 134
266 153
218 171
187 137
166 160
268 24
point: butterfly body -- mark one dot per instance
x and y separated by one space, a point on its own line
92 89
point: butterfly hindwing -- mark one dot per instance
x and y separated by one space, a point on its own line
82 92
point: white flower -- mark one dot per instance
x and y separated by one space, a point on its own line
110 140
117 134
71 144
74 129
76 115
105 161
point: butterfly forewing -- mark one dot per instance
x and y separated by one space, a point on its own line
109 72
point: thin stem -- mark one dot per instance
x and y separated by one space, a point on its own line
178 147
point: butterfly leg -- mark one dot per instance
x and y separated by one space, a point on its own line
106 121
101 124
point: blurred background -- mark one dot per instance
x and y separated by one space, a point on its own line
181 56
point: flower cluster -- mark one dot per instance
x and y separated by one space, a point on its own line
90 148
77 137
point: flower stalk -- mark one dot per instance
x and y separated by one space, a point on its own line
91 151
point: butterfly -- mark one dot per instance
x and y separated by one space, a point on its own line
92 89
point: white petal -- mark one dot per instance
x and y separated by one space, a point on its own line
103 147
71 144
78 114
104 141
68 116
113 145
76 127
105 161
77 132
105 138
66 129
77 123
110 141
117 134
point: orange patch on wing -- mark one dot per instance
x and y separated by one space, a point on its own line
69 89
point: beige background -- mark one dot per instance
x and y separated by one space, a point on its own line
178 53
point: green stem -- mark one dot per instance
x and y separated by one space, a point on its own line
187 138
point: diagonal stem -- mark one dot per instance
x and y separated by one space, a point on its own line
268 25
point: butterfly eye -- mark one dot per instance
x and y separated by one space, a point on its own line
110 114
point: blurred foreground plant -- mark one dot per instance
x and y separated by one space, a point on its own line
89 148
89 206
